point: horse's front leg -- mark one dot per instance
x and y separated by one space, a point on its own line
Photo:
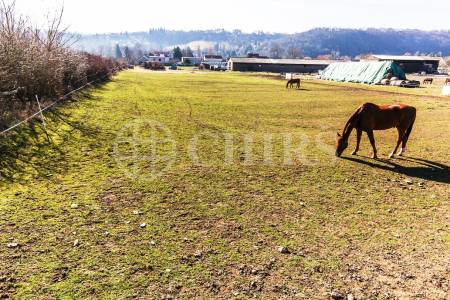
372 142
400 138
358 141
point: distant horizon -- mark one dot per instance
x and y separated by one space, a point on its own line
260 31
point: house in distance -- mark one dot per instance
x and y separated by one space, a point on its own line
156 57
212 58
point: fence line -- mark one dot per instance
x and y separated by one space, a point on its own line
50 105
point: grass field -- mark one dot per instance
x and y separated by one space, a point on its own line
182 185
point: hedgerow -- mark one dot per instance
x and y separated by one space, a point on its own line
40 62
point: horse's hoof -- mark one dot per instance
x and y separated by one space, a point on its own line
354 153
374 157
391 156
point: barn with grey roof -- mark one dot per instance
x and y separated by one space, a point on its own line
242 64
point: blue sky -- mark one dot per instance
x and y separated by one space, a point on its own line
99 16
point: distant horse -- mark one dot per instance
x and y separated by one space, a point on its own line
291 83
370 117
428 81
447 81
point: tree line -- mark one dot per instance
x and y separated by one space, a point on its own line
312 43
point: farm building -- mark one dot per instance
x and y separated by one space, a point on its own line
214 58
191 60
214 65
410 64
276 65
255 55
370 72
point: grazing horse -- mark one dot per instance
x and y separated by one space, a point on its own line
370 117
447 81
291 83
428 81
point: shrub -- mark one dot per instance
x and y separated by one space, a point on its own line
36 62
155 66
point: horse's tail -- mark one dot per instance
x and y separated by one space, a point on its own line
287 84
410 128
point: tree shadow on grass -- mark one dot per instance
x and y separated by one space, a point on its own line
424 169
33 150
26 151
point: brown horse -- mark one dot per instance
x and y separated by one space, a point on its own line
370 117
428 81
291 83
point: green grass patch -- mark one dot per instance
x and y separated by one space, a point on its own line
171 150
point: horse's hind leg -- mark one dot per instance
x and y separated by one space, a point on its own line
372 142
401 138
406 137
404 141
358 141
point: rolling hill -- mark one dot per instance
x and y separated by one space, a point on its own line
320 41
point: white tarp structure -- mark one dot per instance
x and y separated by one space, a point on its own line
446 90
370 72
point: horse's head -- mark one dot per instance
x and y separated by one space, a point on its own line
341 144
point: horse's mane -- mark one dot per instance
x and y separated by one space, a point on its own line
350 121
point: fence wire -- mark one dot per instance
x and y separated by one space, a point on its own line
47 107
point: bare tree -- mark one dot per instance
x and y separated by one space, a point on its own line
293 52
37 62
276 51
